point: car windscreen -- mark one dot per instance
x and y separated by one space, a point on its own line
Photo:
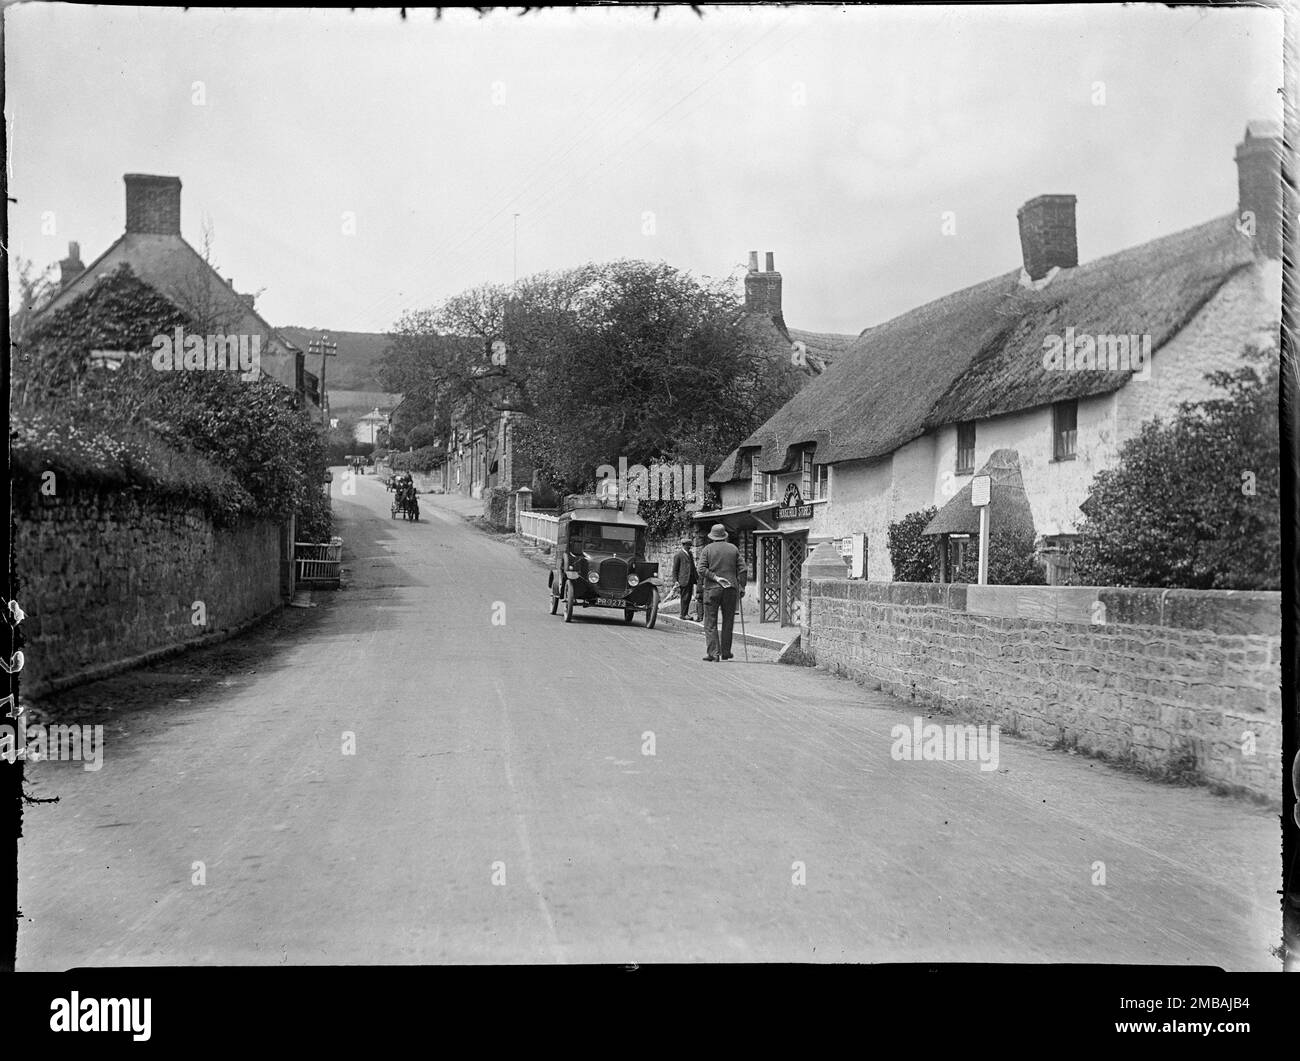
606 538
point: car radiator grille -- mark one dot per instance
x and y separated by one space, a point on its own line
613 575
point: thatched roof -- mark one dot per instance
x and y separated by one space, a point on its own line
1008 502
979 352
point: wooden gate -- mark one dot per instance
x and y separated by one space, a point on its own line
770 585
796 550
779 587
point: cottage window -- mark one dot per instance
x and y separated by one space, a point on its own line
806 474
821 482
966 448
757 482
1065 424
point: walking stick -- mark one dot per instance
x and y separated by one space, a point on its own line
743 639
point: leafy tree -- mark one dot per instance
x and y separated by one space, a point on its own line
35 290
1195 502
911 553
627 359
423 435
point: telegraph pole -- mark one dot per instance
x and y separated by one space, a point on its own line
325 348
516 280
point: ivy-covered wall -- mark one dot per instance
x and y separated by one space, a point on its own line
112 575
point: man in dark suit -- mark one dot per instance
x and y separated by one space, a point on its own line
684 574
723 577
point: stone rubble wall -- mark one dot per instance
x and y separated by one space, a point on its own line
110 576
1180 682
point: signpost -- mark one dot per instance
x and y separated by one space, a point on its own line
981 491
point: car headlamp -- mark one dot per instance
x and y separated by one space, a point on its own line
632 580
593 577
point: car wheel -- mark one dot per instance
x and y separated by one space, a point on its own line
555 601
569 596
628 614
652 610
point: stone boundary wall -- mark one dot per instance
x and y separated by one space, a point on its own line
1180 682
109 577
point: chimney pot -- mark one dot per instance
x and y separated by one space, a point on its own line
71 267
1047 234
763 290
153 204
1259 185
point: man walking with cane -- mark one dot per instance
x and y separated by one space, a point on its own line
723 578
684 575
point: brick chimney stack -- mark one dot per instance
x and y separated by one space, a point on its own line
1259 186
153 204
71 267
763 290
1047 234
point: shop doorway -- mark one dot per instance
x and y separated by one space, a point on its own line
782 557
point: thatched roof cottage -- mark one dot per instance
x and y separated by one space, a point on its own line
1057 360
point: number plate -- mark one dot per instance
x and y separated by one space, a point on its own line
613 602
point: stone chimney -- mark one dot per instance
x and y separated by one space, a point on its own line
1047 234
153 204
763 290
1259 186
71 267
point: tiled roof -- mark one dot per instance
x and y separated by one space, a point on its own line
174 269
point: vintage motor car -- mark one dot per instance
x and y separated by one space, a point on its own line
600 562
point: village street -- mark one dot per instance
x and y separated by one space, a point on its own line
499 807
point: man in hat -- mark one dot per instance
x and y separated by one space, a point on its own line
723 578
684 574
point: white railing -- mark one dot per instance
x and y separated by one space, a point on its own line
318 561
538 527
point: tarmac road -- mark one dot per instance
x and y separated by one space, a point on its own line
500 806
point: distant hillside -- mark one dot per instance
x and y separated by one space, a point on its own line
345 402
357 365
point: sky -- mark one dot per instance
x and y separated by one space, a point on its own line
352 166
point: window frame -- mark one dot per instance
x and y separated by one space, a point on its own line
1065 441
821 482
967 468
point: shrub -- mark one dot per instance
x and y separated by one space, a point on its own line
421 460
911 553
1194 503
422 436
498 506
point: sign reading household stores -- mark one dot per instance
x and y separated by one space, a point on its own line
793 506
